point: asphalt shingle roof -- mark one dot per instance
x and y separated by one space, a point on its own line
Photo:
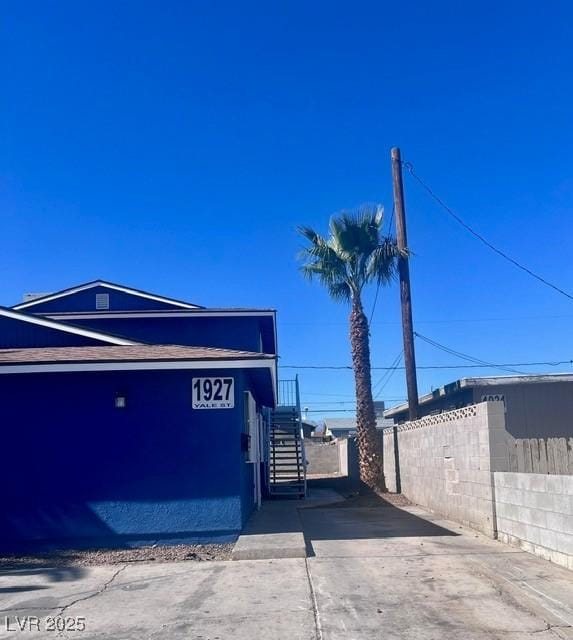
124 354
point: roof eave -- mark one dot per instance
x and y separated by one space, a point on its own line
66 328
103 283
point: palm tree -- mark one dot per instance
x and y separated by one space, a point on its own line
355 254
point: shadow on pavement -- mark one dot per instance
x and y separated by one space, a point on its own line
363 515
45 569
358 515
21 589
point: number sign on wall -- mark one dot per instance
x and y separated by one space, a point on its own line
213 393
495 397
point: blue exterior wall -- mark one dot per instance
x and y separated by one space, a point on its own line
243 333
86 301
76 471
16 334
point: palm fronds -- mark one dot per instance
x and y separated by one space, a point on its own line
354 254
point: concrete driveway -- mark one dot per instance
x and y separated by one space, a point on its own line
372 571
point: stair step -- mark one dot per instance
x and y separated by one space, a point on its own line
290 488
288 484
286 454
299 493
283 473
286 465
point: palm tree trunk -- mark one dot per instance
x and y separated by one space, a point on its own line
369 445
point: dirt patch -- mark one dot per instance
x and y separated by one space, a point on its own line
92 557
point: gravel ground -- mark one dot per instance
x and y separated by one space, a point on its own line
80 557
395 499
369 499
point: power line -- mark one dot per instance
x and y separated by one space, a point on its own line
374 305
391 219
554 363
330 402
463 356
393 364
378 284
440 321
390 374
409 167
330 411
377 389
335 395
336 402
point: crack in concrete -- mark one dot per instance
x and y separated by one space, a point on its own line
516 590
61 608
549 626
93 595
314 603
64 633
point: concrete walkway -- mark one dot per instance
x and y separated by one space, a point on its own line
275 531
373 571
383 572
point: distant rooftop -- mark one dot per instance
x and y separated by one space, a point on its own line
339 424
487 381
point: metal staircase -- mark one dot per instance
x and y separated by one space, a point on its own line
287 462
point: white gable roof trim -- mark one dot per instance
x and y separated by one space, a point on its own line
145 365
199 313
58 326
108 285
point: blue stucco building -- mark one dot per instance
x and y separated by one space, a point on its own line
131 418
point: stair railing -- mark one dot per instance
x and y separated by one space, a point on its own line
299 418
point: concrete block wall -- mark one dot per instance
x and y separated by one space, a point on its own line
535 512
446 460
323 458
343 456
389 461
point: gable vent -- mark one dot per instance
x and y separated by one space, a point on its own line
102 301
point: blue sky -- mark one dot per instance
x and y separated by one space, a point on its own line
174 146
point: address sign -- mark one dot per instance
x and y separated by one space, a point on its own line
213 393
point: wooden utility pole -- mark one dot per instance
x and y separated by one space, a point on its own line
405 293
